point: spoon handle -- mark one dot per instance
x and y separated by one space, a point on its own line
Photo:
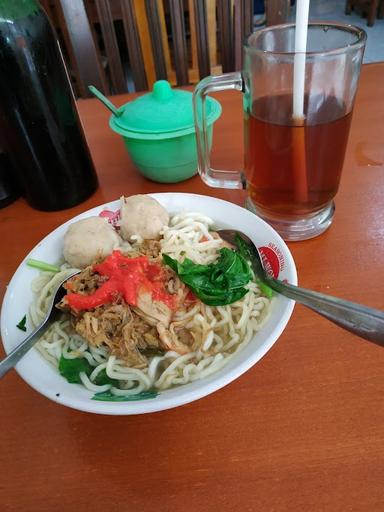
17 353
100 96
368 323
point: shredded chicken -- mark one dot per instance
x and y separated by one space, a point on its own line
131 332
118 327
86 282
173 283
152 310
150 248
176 338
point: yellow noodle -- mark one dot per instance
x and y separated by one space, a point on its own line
221 330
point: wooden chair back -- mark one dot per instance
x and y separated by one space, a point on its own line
372 9
126 45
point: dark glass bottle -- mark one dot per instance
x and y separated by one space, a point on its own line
9 190
39 124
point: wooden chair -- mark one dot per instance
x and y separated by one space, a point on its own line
120 45
369 8
381 10
277 11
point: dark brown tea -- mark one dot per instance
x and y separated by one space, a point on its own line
294 169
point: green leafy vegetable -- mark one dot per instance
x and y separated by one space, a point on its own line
107 396
265 289
218 283
71 369
243 247
102 379
22 325
41 265
247 255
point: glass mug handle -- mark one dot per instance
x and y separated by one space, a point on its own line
214 177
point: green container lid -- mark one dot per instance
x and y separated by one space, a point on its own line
162 113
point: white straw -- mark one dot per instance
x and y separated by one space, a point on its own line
302 9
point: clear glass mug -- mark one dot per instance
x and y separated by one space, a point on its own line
293 154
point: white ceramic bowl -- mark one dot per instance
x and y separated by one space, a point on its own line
45 379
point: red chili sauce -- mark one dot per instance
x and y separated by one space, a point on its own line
126 278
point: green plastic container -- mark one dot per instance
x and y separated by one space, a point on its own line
167 160
159 133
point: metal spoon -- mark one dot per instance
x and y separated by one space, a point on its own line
52 314
368 323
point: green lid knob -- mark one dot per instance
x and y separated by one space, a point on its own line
162 90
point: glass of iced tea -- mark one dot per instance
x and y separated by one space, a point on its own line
292 164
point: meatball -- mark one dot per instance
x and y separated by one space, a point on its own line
89 240
143 216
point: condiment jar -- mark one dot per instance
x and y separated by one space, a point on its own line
158 131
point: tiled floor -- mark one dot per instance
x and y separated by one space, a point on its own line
333 10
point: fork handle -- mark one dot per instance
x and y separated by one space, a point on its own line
368 323
17 353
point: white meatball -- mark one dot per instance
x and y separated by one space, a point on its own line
143 216
89 240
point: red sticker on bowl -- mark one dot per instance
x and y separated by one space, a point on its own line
112 217
273 259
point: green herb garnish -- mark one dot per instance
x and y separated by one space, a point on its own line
107 396
216 284
243 247
102 379
22 325
247 255
41 265
265 289
70 369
